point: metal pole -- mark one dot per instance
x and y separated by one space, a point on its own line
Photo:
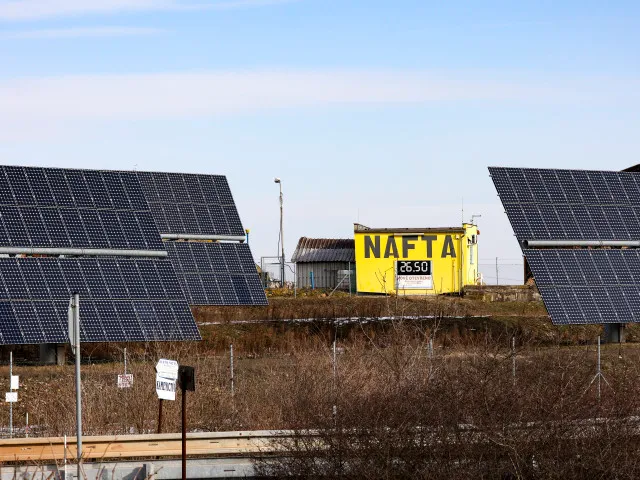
599 374
513 359
231 368
497 278
335 389
430 352
281 236
26 429
10 403
66 476
160 417
125 360
76 315
184 433
334 364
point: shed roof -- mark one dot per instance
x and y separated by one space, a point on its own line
324 250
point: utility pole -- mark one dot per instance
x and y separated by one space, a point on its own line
279 182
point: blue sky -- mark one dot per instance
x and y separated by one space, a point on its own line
377 111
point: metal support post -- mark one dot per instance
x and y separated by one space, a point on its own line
430 354
598 376
160 416
75 305
231 370
184 434
598 370
513 359
10 403
335 383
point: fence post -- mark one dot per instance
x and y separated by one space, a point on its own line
231 368
513 359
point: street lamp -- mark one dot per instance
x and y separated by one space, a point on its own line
474 216
279 182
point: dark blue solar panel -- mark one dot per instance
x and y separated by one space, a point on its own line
588 286
210 285
184 319
35 296
241 289
19 186
91 327
204 269
121 298
10 328
570 204
45 207
191 204
30 327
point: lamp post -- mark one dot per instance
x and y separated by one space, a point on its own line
279 182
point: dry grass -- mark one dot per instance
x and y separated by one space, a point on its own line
400 410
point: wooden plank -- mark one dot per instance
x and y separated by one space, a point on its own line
212 444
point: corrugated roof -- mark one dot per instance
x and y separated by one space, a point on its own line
324 250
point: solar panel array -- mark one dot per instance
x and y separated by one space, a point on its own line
578 286
120 300
191 203
581 286
52 207
544 204
216 273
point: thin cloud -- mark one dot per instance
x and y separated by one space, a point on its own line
82 32
171 95
27 10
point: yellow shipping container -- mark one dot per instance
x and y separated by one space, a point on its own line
415 261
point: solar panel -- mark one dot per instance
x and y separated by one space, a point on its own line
52 207
184 203
121 299
588 286
546 204
216 273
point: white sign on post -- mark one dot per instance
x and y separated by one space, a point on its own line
125 381
166 378
15 382
11 397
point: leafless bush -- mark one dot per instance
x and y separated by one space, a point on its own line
410 398
403 414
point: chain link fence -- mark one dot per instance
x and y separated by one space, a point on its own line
502 271
271 272
496 271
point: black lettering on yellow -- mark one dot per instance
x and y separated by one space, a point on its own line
429 239
371 246
407 244
447 248
391 250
